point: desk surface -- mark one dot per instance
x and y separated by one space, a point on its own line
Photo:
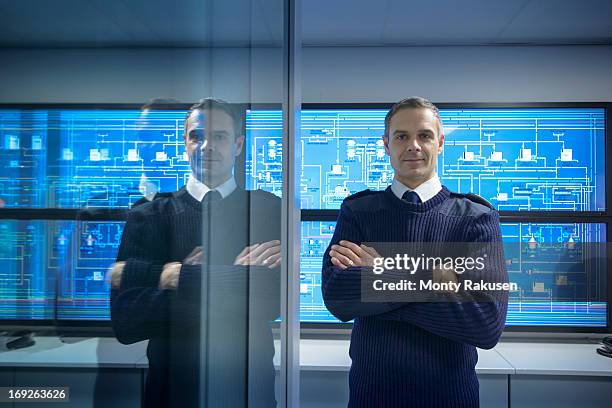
317 355
332 355
74 352
555 358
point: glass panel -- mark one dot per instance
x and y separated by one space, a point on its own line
518 159
551 292
27 287
119 120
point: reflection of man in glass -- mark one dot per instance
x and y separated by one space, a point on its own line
214 236
412 354
148 144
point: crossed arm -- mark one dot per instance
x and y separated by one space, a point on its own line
476 323
259 254
144 286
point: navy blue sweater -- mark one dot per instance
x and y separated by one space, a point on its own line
236 309
414 354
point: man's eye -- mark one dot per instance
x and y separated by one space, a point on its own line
426 135
196 136
400 136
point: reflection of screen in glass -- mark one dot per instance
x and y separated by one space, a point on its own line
43 260
518 159
79 253
551 289
27 285
89 158
85 251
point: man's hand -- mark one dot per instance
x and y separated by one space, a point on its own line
347 254
195 257
266 254
114 274
170 275
445 275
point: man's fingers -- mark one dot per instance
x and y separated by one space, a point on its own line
357 250
276 264
170 275
346 261
371 251
337 263
243 252
115 272
263 247
109 274
266 254
347 253
194 257
243 257
272 261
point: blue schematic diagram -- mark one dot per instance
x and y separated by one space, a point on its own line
545 159
557 268
89 158
56 269
518 159
548 159
60 267
27 288
82 255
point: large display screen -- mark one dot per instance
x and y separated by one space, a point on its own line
518 159
60 267
89 158
56 269
544 159
554 286
27 286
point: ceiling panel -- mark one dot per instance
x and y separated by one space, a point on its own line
342 22
562 21
184 23
447 22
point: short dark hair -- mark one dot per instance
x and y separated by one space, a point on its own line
208 104
414 102
160 104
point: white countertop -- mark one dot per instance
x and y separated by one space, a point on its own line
540 358
332 355
555 358
74 352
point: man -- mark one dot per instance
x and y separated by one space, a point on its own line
197 275
147 147
412 354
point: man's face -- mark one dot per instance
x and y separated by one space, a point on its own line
212 145
413 144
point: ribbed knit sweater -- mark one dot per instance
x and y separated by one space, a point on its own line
233 307
414 354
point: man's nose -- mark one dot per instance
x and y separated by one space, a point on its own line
206 144
412 145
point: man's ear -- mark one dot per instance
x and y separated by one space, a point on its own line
441 143
239 144
385 139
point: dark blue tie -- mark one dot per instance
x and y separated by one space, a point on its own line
411 197
212 195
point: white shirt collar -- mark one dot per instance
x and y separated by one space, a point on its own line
198 190
425 190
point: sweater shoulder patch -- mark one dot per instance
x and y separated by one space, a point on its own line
360 194
471 205
474 198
